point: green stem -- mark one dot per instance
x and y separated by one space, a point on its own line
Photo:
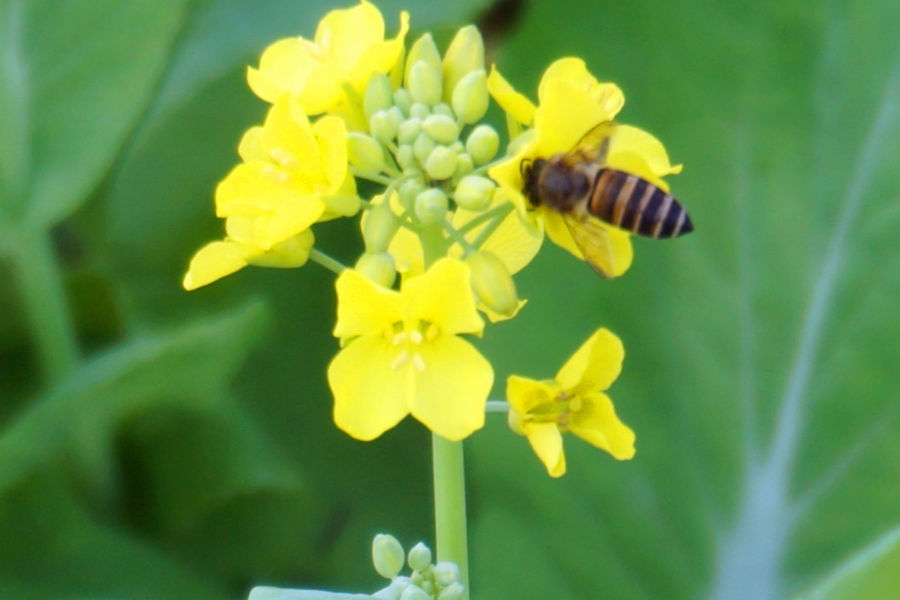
371 177
493 225
450 505
41 287
434 244
485 216
317 256
457 237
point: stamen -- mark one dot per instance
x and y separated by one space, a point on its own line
275 174
575 404
401 360
282 157
401 338
419 363
415 336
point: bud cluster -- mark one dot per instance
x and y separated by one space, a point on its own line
441 581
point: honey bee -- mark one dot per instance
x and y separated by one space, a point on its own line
583 190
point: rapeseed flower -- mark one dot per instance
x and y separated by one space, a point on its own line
403 355
572 401
571 103
349 46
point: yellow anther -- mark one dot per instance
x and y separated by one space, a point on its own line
432 332
419 363
275 174
282 157
401 360
416 337
575 404
401 338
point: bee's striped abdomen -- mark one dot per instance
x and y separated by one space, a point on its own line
634 204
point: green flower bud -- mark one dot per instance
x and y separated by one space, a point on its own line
396 116
492 283
377 268
402 100
441 163
464 166
383 127
442 108
431 206
414 592
379 227
379 95
420 111
409 190
454 591
441 128
406 158
458 147
409 130
424 84
474 192
426 50
428 586
446 573
483 144
423 147
419 557
465 54
386 551
470 97
388 593
365 153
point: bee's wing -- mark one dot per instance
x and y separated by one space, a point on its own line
594 145
592 238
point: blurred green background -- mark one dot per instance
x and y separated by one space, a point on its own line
192 454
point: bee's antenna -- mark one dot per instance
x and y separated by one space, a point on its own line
524 166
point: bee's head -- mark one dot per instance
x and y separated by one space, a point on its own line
554 183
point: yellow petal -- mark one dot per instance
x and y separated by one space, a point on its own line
512 102
452 389
290 219
253 188
636 151
596 423
363 307
547 443
289 254
509 175
370 396
405 247
331 134
558 232
495 317
595 365
322 89
573 70
525 394
621 254
443 296
564 116
289 139
347 33
381 57
252 147
215 261
283 68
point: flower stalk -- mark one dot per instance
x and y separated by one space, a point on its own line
450 505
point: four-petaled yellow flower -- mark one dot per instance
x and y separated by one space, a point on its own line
294 174
403 355
573 401
571 103
348 47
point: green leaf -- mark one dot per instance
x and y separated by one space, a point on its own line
872 574
760 372
68 99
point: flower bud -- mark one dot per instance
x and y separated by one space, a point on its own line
431 206
409 130
446 573
474 192
426 50
402 100
365 153
423 147
396 115
441 163
387 554
414 592
454 591
424 84
420 111
405 157
470 97
409 190
379 227
492 283
483 144
442 108
464 166
419 557
465 54
388 593
383 127
441 128
377 268
428 586
379 95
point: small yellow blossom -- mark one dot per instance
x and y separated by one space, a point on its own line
293 174
571 103
349 46
573 401
402 355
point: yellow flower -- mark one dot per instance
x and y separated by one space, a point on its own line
573 401
571 103
402 355
294 174
348 48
